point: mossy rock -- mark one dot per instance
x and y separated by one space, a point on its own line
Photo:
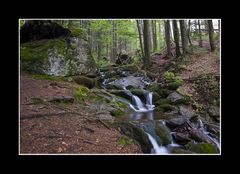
165 108
136 133
85 81
125 141
178 150
202 148
139 92
131 68
173 85
163 132
121 93
163 101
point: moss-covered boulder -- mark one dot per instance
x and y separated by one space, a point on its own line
176 98
165 108
60 56
163 132
202 148
136 134
85 81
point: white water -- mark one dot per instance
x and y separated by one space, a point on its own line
156 147
139 106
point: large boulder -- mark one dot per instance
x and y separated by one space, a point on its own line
214 112
175 122
176 98
205 148
186 111
163 132
85 81
61 56
181 138
137 134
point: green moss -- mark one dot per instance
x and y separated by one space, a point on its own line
124 141
78 32
48 77
117 112
80 93
202 148
165 108
38 50
163 133
171 77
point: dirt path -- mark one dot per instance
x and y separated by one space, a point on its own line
62 133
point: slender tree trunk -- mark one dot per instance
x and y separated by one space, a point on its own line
219 26
154 36
200 33
146 37
140 37
183 36
176 38
211 33
167 37
114 36
189 33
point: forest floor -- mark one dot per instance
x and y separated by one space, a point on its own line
45 129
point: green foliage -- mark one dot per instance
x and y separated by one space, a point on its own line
37 101
171 77
80 93
124 141
78 32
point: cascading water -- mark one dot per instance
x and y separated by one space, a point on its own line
156 147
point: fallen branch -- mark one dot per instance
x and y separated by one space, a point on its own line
104 124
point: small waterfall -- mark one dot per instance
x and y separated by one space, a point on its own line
156 147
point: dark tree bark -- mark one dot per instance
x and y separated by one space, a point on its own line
200 33
140 36
146 36
219 26
211 33
154 35
114 36
183 36
176 37
167 37
189 33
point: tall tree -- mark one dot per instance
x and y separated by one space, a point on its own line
114 37
211 33
140 36
167 37
200 33
154 35
146 36
183 35
176 37
189 33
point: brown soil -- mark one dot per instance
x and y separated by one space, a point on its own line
68 134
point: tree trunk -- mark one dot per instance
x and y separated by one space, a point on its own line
140 37
114 36
211 33
167 37
189 33
176 37
183 36
154 36
200 33
219 26
146 37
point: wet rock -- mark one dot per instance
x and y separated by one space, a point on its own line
122 93
202 148
186 111
214 112
181 138
85 81
199 136
178 150
163 132
176 98
175 122
137 134
165 108
215 129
